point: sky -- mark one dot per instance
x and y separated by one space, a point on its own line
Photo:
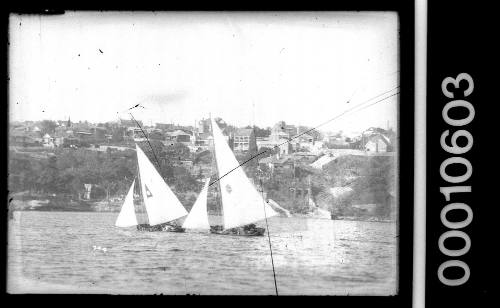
248 68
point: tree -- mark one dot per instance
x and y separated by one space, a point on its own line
64 180
48 127
315 134
266 152
153 149
184 181
47 179
203 157
117 134
199 175
177 150
21 171
261 132
156 136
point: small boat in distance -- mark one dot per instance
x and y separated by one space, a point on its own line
161 204
242 204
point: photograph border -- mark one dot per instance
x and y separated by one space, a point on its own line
405 137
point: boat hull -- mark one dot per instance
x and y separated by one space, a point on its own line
160 228
240 231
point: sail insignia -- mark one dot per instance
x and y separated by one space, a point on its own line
162 206
148 192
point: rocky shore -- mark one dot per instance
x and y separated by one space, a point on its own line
63 205
54 205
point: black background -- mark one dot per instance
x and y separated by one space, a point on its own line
460 37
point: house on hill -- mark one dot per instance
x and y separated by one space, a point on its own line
100 133
276 163
203 139
178 136
304 141
129 123
304 138
153 134
243 138
304 157
60 136
378 143
282 146
283 130
25 138
203 126
202 136
83 135
47 141
164 126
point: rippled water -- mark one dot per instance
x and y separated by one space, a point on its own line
51 252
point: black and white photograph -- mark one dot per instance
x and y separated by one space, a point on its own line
207 153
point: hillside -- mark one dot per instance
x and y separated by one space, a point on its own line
361 186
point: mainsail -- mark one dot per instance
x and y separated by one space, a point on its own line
242 203
127 217
161 203
198 217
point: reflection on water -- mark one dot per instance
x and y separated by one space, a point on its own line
53 252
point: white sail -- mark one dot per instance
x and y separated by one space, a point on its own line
161 203
276 205
198 217
127 217
242 203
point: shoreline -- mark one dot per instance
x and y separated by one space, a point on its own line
298 216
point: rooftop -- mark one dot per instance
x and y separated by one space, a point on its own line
274 160
384 138
304 154
178 133
243 132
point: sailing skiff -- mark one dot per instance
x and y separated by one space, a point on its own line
242 204
161 204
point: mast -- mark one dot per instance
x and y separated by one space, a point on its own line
143 208
214 162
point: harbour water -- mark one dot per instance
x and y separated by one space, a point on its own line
52 252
